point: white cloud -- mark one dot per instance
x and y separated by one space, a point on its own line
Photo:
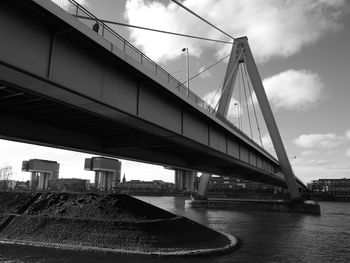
338 167
306 153
347 153
266 139
331 152
293 90
317 162
267 144
313 141
235 108
347 134
82 2
310 162
205 74
276 28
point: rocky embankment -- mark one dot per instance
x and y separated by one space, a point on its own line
115 223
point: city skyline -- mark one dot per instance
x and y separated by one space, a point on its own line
302 57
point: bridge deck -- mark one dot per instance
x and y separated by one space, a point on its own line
63 85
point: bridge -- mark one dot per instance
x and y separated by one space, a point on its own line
64 85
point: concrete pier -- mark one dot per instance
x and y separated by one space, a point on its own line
284 206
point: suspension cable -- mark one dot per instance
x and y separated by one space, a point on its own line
200 72
240 102
246 99
251 98
154 30
216 92
201 18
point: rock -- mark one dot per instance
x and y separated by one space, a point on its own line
62 211
80 201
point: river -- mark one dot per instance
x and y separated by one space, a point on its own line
266 237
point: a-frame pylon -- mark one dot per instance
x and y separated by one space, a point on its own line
241 46
241 53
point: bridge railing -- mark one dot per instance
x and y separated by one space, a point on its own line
117 41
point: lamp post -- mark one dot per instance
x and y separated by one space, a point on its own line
238 113
188 69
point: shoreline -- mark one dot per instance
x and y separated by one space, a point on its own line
343 199
232 246
281 206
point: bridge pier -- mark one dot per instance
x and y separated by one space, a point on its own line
241 53
203 187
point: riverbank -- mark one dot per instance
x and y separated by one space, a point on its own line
255 196
113 223
282 206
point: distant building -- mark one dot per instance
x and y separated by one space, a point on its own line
12 184
232 184
41 172
145 186
107 172
22 185
69 184
331 186
8 184
124 179
185 180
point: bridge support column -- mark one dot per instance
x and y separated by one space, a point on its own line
203 186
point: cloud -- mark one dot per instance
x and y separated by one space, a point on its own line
205 74
312 162
347 153
293 90
267 144
306 153
276 28
347 133
338 167
235 108
266 139
301 161
320 141
82 2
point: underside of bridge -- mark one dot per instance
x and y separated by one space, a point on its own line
61 87
33 118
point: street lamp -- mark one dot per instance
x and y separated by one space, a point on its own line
238 112
188 69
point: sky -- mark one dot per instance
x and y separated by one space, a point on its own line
300 47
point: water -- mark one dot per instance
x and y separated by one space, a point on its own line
266 237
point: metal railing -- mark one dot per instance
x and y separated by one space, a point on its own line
122 44
117 41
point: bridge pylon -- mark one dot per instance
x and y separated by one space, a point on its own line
241 53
